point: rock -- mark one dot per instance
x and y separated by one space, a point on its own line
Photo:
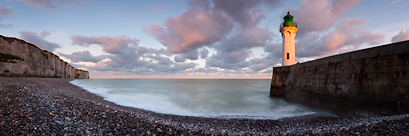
88 133
20 58
59 122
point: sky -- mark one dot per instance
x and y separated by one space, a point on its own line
198 38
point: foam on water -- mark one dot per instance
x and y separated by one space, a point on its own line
229 98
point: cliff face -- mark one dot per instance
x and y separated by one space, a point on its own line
20 58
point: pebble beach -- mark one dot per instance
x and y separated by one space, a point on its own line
53 106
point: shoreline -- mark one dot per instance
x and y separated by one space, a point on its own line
91 89
55 106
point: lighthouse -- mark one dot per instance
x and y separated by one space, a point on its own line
288 30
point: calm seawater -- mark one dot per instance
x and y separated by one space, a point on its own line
231 98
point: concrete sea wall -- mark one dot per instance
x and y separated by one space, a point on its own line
23 59
369 82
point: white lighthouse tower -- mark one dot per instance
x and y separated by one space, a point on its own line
288 30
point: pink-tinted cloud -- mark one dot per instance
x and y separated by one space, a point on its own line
53 4
319 15
402 36
204 25
45 33
39 41
230 27
245 39
109 44
347 35
193 29
234 50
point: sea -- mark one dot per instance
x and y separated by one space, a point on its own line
217 98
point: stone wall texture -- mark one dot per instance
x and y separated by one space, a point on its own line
369 82
22 59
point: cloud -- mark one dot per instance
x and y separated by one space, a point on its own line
233 50
179 59
53 4
45 33
245 12
143 50
275 49
84 56
193 29
125 56
324 30
183 66
233 60
347 35
5 12
161 60
230 27
402 36
192 55
122 51
178 68
319 15
6 25
112 45
203 53
259 64
39 41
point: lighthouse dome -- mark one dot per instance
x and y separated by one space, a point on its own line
288 20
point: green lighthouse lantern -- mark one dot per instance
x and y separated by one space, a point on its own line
288 20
